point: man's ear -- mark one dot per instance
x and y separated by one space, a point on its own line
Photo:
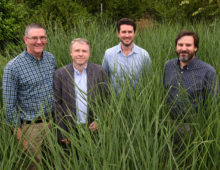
196 49
25 39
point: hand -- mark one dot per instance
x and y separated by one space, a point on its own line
66 141
18 135
93 126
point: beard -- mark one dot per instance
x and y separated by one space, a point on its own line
126 44
188 56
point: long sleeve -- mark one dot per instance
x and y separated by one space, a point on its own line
212 84
59 112
10 90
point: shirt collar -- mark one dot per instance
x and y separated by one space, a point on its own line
190 65
77 71
134 49
32 57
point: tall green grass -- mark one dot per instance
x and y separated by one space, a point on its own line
135 132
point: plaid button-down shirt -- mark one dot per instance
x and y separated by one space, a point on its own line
28 87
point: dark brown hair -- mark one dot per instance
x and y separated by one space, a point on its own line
126 21
188 33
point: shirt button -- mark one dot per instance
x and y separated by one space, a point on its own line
181 72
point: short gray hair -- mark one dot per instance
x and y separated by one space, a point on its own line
80 40
33 25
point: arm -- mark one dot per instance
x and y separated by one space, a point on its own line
105 63
145 63
147 60
212 85
10 90
104 84
98 92
59 112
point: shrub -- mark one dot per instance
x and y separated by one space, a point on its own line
12 21
66 13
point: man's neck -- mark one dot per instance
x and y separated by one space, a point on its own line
80 68
183 64
37 56
126 49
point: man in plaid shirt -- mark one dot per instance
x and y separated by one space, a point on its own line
28 90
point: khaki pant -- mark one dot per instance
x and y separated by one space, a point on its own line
32 138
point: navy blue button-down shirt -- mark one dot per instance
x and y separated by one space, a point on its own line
189 86
28 87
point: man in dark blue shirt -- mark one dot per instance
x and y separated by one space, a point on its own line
189 81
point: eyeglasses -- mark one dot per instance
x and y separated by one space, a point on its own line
42 38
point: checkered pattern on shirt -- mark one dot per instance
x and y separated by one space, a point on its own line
28 86
189 86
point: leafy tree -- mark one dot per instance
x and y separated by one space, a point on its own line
67 13
12 21
182 10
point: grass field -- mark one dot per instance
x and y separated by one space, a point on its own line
134 132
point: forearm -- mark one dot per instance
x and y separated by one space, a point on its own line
10 90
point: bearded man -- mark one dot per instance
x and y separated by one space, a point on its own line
190 82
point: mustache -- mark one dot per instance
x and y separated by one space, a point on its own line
184 52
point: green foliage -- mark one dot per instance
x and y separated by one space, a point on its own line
66 13
12 21
185 10
125 8
169 10
134 133
92 6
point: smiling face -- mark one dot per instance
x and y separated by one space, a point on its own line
35 40
185 49
126 35
80 53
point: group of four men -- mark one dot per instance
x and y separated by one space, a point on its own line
31 81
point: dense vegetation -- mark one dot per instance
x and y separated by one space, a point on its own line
15 14
134 132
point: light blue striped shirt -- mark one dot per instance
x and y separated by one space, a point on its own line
119 66
80 80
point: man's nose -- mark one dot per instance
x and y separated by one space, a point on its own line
38 40
80 53
184 47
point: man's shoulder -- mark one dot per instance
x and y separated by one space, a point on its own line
95 67
205 65
113 49
171 62
48 54
63 69
139 49
18 61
